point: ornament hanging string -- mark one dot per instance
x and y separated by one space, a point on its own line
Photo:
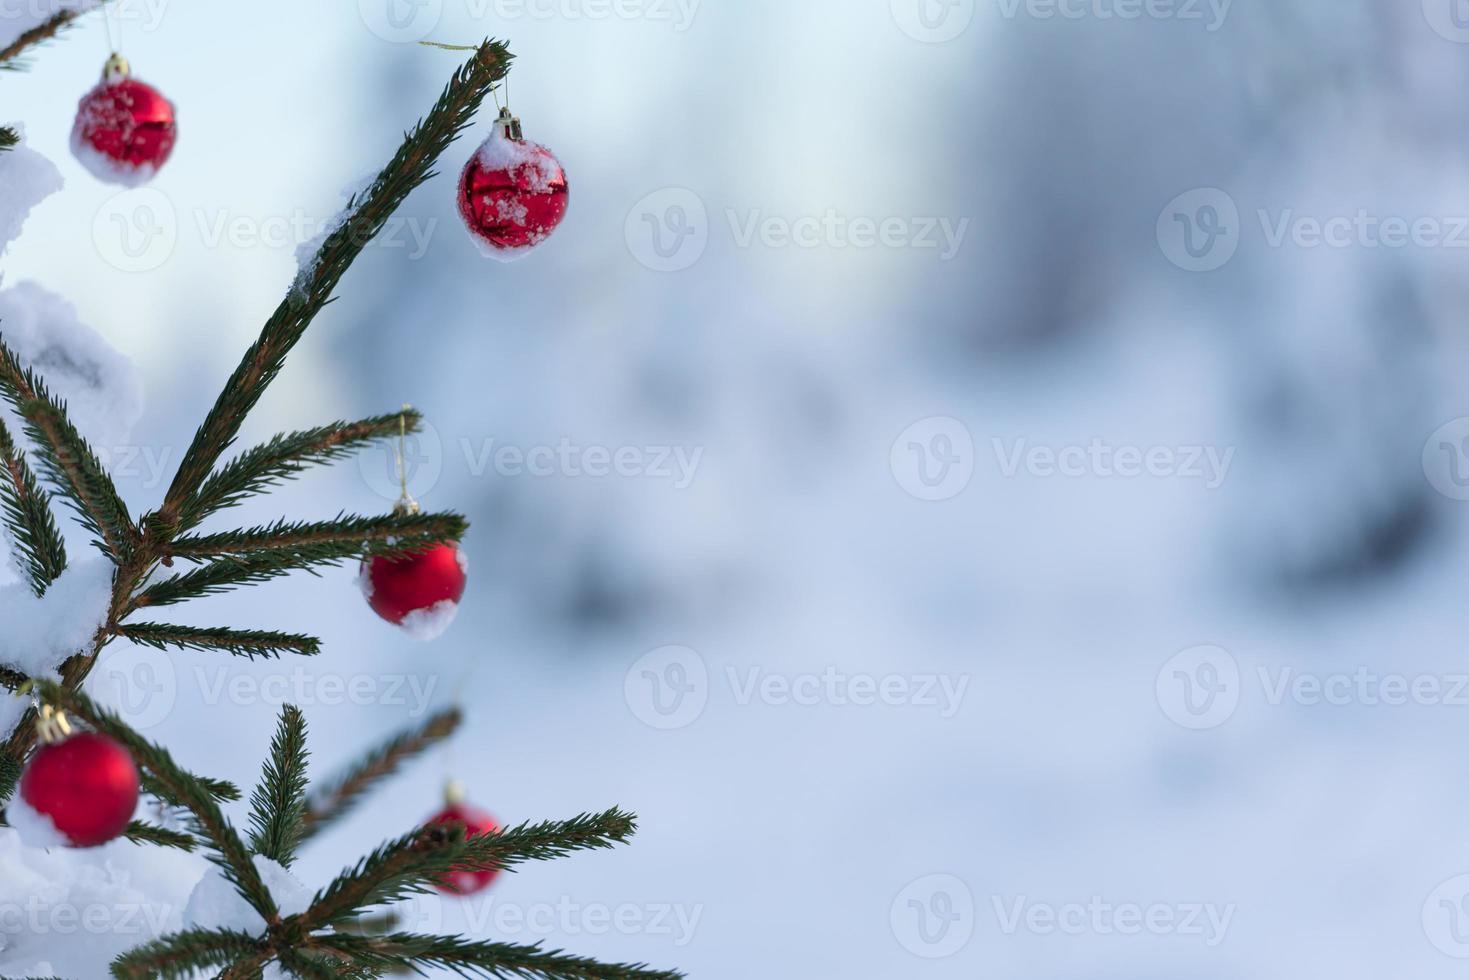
494 89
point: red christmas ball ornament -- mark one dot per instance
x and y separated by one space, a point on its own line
418 592
85 784
512 193
124 128
476 822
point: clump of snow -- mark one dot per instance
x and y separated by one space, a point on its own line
26 177
101 387
364 579
105 168
429 624
39 633
533 162
33 827
216 903
351 197
68 913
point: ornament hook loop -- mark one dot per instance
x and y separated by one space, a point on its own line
406 504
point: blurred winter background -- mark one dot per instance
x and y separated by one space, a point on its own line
1029 538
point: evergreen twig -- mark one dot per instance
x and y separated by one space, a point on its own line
250 644
413 863
67 460
280 799
27 514
143 833
182 955
483 959
285 456
337 798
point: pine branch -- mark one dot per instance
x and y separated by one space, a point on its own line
261 554
9 138
250 644
329 541
67 460
482 959
27 515
181 955
175 785
286 456
365 215
415 862
143 833
224 792
9 775
44 31
341 795
280 799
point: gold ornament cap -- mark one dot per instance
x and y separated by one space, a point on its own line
116 68
455 793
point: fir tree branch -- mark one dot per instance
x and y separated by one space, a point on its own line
261 554
414 863
143 833
175 785
250 644
339 796
364 215
181 955
329 541
286 456
224 792
478 959
9 138
67 460
27 514
280 799
44 31
9 775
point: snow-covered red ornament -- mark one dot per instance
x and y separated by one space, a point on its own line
476 822
80 789
124 128
512 193
418 592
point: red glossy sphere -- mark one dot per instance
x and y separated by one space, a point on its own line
512 195
87 785
124 131
397 587
477 823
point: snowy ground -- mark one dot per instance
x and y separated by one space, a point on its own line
904 678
